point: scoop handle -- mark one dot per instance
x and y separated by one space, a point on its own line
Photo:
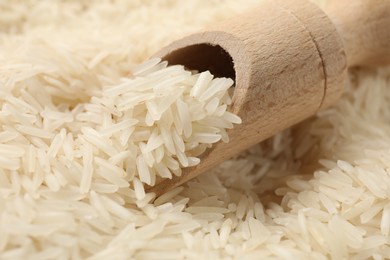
364 26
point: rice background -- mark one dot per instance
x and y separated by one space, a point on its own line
319 190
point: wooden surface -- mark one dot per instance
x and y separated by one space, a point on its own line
289 59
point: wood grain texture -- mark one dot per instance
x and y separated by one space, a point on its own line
289 61
365 29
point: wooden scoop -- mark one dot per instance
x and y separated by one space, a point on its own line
289 60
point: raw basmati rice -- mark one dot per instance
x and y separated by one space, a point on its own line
83 128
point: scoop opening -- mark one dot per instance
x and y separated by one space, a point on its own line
204 57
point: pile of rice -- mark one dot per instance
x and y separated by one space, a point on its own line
83 127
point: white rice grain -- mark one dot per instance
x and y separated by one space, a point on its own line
87 172
385 221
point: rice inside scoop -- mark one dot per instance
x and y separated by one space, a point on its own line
145 128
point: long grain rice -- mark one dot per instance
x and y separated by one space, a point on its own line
84 125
